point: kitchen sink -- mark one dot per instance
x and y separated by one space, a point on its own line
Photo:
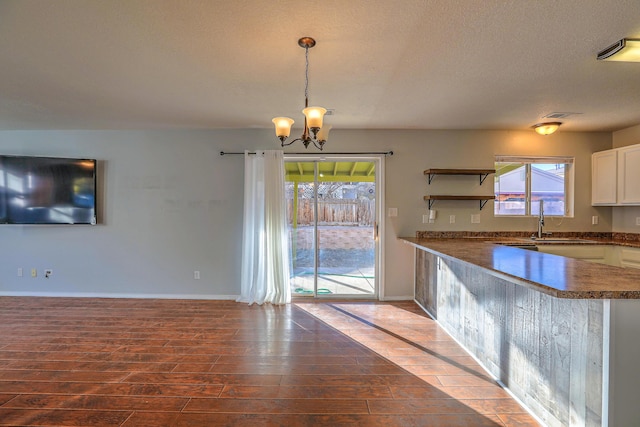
527 246
558 240
531 243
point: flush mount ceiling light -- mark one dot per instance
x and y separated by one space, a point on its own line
546 128
626 50
313 132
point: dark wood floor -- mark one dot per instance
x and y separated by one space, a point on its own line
126 362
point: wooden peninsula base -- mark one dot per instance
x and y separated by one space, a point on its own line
572 362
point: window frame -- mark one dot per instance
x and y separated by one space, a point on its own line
528 161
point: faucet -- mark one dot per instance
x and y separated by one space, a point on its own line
541 219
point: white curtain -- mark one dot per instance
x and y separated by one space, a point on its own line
265 249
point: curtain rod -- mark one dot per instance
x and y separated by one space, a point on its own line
386 153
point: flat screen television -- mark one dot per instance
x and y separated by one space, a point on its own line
47 190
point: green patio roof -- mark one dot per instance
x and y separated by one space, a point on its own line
330 171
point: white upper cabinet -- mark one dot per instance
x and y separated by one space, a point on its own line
629 175
615 177
604 178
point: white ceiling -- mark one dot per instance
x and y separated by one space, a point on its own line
381 64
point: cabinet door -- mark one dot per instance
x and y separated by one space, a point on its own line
629 175
604 165
630 257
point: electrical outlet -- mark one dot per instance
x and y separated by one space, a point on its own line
47 273
638 220
20 272
34 272
393 212
475 218
594 220
196 274
452 219
425 219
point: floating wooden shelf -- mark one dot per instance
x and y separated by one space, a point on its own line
483 199
482 173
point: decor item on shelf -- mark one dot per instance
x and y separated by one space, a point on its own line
314 132
546 128
625 50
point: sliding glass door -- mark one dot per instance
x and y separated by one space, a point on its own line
332 212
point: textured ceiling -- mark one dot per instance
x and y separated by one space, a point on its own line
381 64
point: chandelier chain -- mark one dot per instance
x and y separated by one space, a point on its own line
306 76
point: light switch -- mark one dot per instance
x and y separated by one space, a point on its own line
392 212
475 218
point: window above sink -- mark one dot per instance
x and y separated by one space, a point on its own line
520 184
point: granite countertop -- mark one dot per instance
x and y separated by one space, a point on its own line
555 275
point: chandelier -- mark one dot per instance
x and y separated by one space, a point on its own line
313 132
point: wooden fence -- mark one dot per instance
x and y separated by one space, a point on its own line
334 212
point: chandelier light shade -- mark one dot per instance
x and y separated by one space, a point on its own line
546 128
625 50
314 117
283 127
314 130
323 134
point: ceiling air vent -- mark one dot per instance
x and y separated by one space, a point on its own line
558 115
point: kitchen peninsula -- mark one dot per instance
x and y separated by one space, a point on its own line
562 334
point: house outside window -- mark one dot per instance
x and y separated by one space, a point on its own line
521 182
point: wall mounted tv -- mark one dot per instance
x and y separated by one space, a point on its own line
47 190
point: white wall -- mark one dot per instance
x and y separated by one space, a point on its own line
628 136
171 205
624 218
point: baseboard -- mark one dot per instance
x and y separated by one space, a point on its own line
110 295
153 296
397 298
